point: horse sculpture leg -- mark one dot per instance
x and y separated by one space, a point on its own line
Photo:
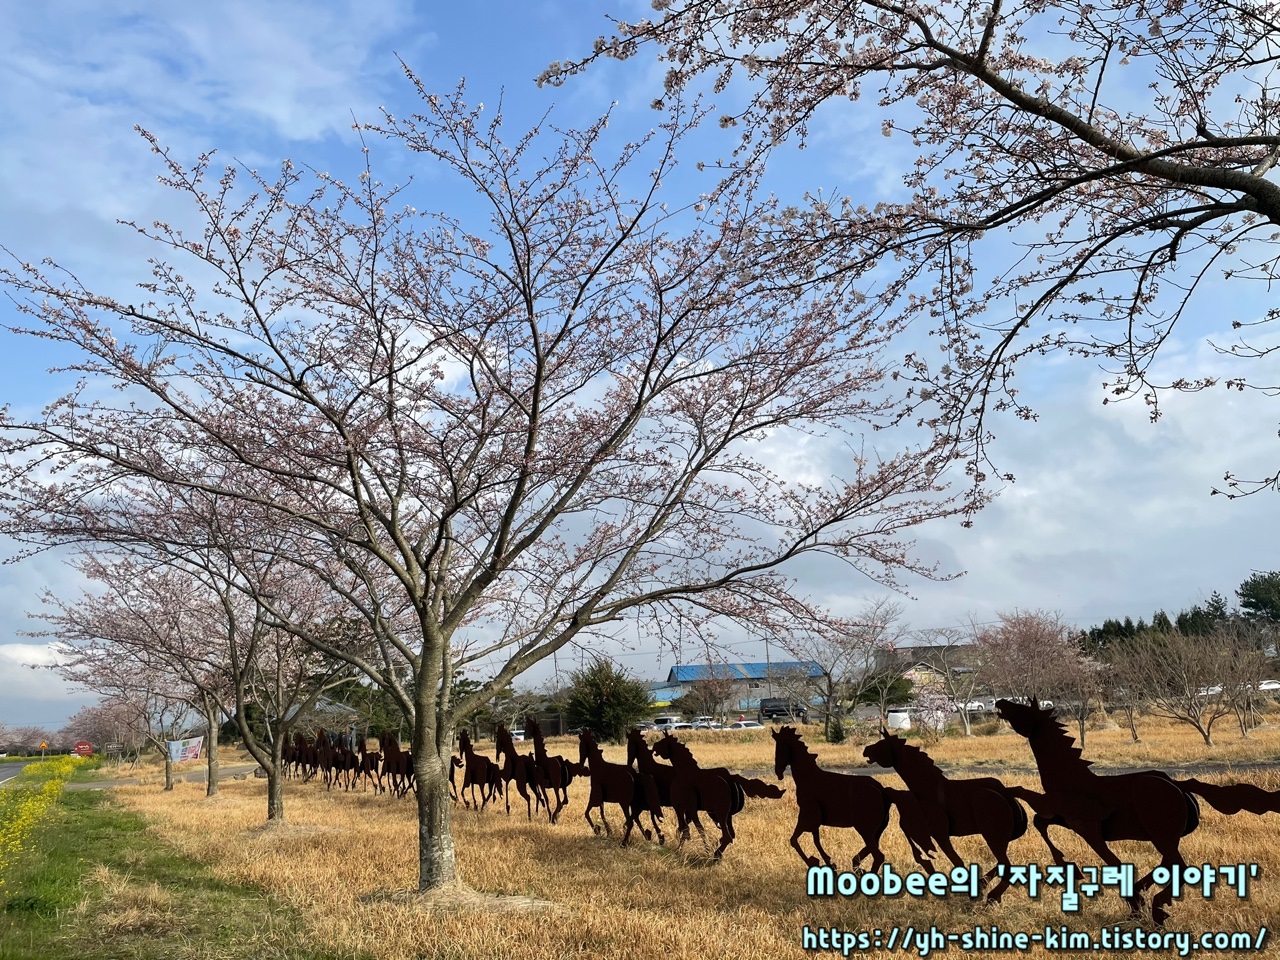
1091 832
795 842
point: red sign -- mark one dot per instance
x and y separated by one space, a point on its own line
83 748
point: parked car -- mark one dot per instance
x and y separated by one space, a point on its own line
665 723
771 708
706 723
1046 704
968 706
746 725
1269 686
517 734
1209 691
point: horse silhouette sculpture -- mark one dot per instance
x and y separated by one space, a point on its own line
480 772
829 799
454 764
370 768
1148 805
397 764
640 755
554 773
617 783
716 791
521 769
956 808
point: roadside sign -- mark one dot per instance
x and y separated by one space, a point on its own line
114 749
44 745
83 748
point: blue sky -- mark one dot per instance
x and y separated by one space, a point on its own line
1110 515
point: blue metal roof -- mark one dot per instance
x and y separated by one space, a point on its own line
688 673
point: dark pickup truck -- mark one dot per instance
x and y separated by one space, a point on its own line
772 708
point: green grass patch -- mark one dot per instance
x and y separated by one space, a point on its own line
99 887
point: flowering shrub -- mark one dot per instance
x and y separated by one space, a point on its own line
25 802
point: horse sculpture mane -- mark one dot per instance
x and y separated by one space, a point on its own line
1033 720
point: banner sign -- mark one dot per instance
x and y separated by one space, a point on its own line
180 750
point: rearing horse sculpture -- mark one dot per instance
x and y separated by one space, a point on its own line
956 808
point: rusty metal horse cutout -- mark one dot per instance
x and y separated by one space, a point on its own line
830 799
521 768
617 783
1148 805
480 772
956 808
554 773
716 791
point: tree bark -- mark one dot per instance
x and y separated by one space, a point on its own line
275 782
168 770
436 863
211 748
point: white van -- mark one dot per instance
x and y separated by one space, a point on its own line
663 724
898 720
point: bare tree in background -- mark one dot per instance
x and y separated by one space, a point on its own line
958 658
1180 677
857 661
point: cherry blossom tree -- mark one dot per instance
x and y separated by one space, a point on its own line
104 723
489 440
1074 173
184 616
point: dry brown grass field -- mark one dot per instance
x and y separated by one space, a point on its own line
341 854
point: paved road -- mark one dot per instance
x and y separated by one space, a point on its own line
10 770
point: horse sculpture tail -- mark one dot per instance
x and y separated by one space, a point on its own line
911 819
758 788
1233 797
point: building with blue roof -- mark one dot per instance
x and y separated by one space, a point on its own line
752 681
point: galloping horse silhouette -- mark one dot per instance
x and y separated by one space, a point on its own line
664 778
480 771
717 791
522 768
956 808
617 783
1148 805
554 773
829 799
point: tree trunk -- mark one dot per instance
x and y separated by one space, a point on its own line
275 782
436 865
168 770
1133 724
211 748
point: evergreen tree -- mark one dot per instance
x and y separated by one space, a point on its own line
1260 596
607 700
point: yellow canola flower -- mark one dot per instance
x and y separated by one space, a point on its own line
26 802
